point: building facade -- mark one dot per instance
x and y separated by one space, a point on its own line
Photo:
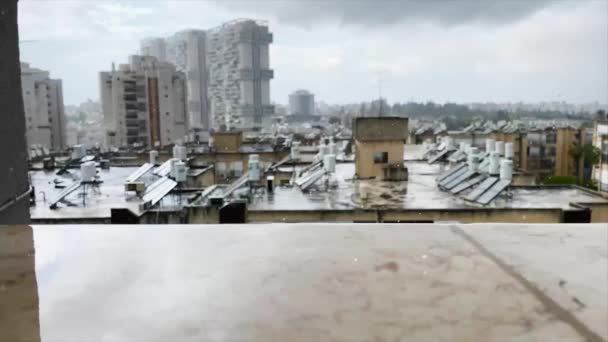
44 111
144 103
379 146
302 103
239 74
600 141
186 50
227 72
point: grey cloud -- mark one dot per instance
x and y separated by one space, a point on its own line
371 13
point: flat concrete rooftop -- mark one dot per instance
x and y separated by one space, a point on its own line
304 282
419 192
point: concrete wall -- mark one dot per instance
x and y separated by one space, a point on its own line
380 129
564 164
14 200
464 216
364 157
227 141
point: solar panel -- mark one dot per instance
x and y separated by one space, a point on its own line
157 190
309 180
449 172
457 156
453 176
483 187
237 184
465 185
459 179
164 169
139 172
494 191
437 156
64 194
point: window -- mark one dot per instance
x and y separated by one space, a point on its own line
380 157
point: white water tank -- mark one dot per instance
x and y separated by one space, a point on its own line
295 150
509 150
179 152
500 148
180 171
79 151
153 157
490 145
329 163
333 148
494 168
88 171
323 150
506 169
473 161
254 168
467 148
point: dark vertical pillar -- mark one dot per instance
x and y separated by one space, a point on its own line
14 184
19 314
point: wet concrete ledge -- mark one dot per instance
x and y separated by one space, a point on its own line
304 282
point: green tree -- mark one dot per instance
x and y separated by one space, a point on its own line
584 156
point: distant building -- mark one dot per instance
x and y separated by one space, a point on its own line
301 103
379 146
154 47
227 72
600 140
187 51
239 74
44 112
144 103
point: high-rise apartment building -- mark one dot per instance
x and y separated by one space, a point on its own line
186 50
144 103
301 103
44 112
239 74
227 71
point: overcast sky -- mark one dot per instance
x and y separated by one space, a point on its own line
458 50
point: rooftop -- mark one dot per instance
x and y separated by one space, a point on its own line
305 282
419 192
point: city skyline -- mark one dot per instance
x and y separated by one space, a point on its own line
527 53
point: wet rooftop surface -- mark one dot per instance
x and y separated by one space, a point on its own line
419 192
304 282
100 199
